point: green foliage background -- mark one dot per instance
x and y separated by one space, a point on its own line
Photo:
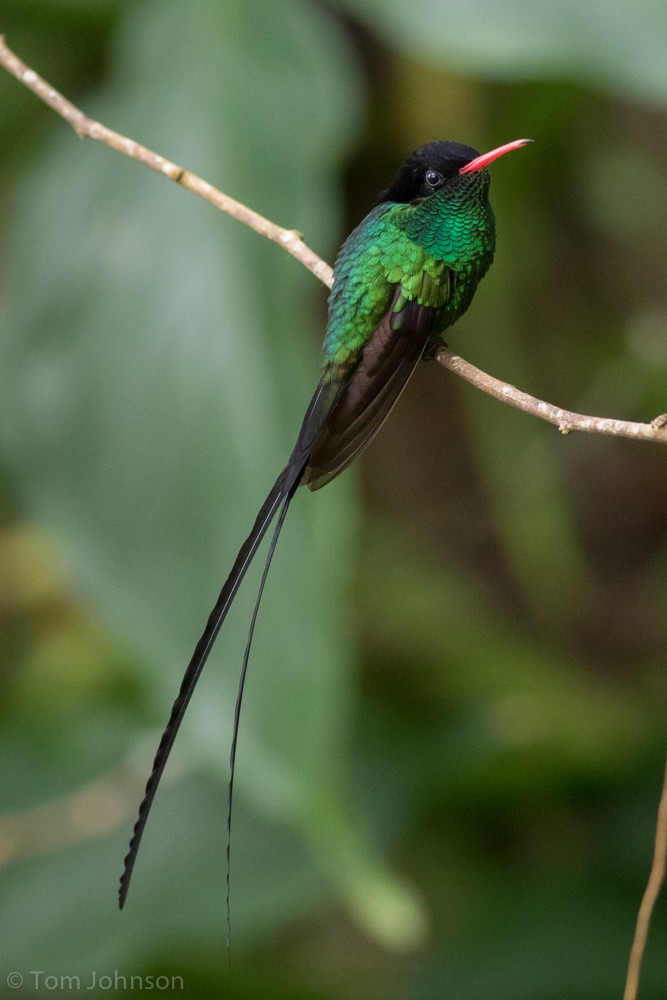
453 734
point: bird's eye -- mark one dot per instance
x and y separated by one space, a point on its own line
432 178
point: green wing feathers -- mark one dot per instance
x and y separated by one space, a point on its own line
376 258
387 302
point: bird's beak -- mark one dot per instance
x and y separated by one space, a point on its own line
483 161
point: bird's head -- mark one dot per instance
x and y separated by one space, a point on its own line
433 166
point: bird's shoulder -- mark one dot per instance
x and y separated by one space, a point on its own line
379 254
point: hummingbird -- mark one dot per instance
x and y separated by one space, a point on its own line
402 277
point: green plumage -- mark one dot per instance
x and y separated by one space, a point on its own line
405 274
437 251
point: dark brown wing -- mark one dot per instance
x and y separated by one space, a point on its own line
382 372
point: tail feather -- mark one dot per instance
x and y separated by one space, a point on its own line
281 494
193 671
239 698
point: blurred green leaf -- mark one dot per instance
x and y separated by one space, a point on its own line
155 368
508 611
180 895
613 46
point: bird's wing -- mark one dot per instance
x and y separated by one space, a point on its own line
381 368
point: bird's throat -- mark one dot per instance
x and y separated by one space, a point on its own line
455 225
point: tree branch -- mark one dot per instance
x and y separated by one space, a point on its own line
88 128
91 811
290 239
565 420
651 894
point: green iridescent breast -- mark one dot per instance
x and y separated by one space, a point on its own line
436 251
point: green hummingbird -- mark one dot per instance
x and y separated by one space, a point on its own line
402 277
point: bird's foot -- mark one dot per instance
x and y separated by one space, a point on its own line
432 350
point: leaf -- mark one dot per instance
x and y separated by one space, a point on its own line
157 361
606 45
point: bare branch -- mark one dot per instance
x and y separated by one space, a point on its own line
291 240
89 128
87 813
651 894
564 420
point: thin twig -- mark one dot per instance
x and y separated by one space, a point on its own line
87 813
86 127
565 420
651 894
290 239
